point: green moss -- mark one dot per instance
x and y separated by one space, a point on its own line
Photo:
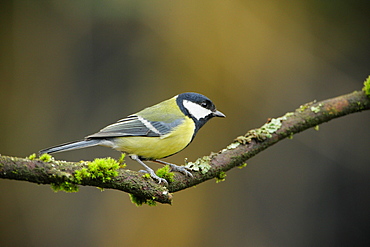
146 175
242 166
32 156
317 127
366 87
82 174
65 186
139 201
103 169
46 158
200 165
121 160
165 172
220 177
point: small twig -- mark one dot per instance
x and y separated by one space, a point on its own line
236 154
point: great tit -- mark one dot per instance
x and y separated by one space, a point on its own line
153 133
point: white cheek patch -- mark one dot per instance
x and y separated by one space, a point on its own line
196 110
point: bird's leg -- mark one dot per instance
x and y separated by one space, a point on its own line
184 170
149 170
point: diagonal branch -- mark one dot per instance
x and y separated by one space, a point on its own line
208 167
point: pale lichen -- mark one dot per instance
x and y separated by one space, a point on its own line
200 165
316 109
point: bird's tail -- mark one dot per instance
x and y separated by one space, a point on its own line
71 146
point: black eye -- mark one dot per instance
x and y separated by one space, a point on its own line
204 104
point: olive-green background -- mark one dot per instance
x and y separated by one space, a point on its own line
68 68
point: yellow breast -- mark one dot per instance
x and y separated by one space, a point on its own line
158 147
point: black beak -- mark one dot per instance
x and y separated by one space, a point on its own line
218 114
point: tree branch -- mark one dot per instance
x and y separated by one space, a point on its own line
208 167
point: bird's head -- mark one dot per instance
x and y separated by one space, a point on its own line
198 107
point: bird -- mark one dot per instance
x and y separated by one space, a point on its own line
153 133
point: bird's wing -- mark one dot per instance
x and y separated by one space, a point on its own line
136 126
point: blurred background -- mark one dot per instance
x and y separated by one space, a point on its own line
69 68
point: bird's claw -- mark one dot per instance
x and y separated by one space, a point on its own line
184 170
